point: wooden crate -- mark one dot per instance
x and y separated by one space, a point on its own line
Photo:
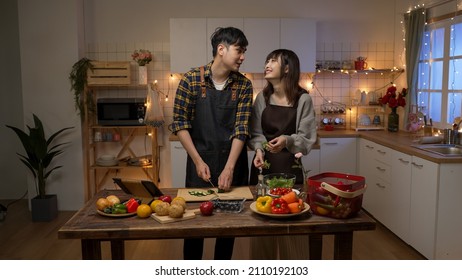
109 73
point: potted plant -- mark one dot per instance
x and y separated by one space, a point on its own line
78 79
39 155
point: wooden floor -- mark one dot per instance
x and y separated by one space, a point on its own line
22 239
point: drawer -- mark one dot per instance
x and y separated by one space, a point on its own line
381 170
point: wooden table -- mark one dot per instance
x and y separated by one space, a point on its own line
91 228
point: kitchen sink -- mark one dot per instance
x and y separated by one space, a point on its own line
449 150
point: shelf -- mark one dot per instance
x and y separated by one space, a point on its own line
368 117
367 71
115 87
127 144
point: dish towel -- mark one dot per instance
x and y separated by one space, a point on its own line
154 111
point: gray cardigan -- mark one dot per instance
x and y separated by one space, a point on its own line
302 141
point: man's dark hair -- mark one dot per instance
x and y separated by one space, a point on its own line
228 36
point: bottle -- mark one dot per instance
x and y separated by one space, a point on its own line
261 189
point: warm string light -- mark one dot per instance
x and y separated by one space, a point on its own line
154 86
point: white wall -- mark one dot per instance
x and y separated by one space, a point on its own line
49 36
49 47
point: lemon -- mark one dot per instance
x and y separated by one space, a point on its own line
154 203
322 211
144 211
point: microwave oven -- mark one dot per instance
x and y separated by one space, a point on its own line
121 111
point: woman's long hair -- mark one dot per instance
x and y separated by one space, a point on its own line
290 79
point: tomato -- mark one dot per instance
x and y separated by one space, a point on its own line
166 198
206 208
280 191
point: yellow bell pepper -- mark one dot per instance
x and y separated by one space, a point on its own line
264 204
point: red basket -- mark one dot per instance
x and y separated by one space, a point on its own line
336 195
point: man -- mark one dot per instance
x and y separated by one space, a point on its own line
210 117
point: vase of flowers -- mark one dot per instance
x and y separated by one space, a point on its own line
142 57
394 100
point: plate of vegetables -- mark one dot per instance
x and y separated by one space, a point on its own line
116 208
253 207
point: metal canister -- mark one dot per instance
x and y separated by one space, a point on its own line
449 136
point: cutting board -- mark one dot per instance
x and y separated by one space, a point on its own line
235 194
189 214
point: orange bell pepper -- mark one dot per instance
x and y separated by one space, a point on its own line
290 197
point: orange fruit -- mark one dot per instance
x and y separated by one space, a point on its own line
154 203
179 198
143 211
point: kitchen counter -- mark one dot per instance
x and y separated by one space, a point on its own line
400 141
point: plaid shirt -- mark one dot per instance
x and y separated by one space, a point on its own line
189 89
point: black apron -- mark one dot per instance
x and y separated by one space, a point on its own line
213 124
276 121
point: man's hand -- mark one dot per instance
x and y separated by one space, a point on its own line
203 170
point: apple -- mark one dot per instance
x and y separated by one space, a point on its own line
206 208
166 198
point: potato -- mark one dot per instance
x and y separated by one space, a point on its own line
180 202
161 208
175 211
113 199
102 203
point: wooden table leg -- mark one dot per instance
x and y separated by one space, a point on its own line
343 246
91 249
118 249
315 243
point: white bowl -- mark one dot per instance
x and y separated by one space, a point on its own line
107 158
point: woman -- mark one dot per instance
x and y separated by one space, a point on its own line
282 124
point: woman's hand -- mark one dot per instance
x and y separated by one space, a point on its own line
259 159
277 144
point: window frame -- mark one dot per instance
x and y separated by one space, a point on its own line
447 59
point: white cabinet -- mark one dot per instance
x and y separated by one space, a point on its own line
424 196
449 225
299 35
400 195
178 158
187 43
311 162
263 37
190 41
338 155
375 165
213 24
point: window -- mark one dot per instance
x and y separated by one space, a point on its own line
439 93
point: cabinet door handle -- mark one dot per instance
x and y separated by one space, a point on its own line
380 169
417 165
381 152
403 161
369 147
380 186
331 143
178 147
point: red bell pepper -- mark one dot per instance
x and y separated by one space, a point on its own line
279 206
132 205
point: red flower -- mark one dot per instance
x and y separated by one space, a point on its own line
391 99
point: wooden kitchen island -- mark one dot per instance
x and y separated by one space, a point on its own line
92 228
